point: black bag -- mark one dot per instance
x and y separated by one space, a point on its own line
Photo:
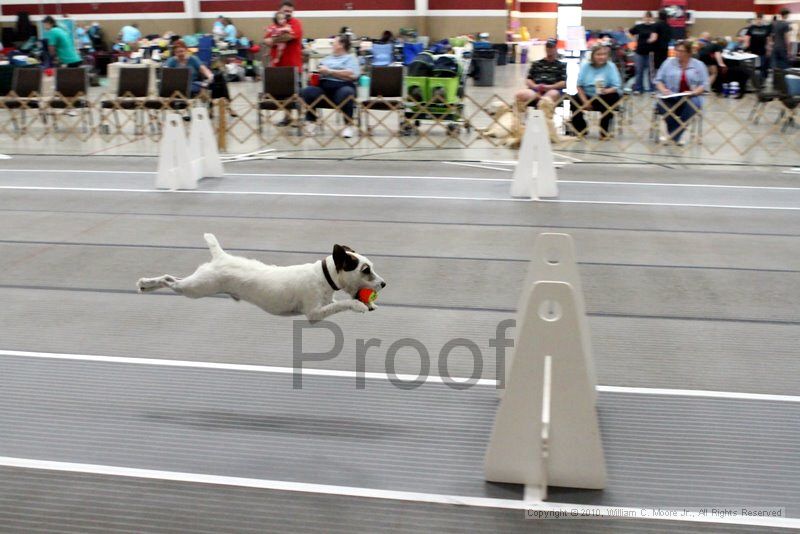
446 67
422 65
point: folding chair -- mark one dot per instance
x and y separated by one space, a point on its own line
385 94
131 94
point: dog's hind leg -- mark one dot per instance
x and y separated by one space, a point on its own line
204 282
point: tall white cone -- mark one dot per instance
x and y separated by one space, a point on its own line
535 173
174 164
203 145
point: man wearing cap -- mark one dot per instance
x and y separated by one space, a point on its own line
546 80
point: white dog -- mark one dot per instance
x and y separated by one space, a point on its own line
296 289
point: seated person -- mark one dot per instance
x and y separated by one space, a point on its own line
599 87
547 79
337 75
201 75
680 74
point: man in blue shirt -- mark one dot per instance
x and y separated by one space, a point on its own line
338 73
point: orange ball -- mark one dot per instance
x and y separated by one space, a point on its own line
366 295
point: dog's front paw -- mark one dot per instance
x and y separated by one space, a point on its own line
358 306
372 306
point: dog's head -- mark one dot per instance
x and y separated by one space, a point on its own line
355 271
498 108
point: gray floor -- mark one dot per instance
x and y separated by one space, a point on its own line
687 287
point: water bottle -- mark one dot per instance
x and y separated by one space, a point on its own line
733 91
363 87
726 90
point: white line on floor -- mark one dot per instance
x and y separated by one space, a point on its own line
233 367
381 376
572 510
406 177
667 204
663 184
405 197
573 158
263 193
461 164
700 393
280 175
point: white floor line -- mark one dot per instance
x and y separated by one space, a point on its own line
263 193
700 393
453 178
405 197
662 184
380 376
372 176
573 158
232 367
277 175
476 165
610 512
5 156
667 204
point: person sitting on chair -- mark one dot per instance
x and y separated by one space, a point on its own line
680 74
546 80
201 75
337 75
599 85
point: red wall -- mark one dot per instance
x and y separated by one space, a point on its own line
466 4
539 7
90 8
232 6
655 5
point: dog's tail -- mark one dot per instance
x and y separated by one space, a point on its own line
213 246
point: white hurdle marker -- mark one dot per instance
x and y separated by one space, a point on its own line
546 431
175 170
535 173
554 259
203 146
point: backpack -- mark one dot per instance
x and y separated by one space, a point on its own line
446 67
422 65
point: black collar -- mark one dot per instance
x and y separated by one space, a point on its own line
328 274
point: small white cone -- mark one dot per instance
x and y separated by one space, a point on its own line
174 164
204 145
535 173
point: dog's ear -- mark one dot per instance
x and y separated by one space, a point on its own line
342 259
